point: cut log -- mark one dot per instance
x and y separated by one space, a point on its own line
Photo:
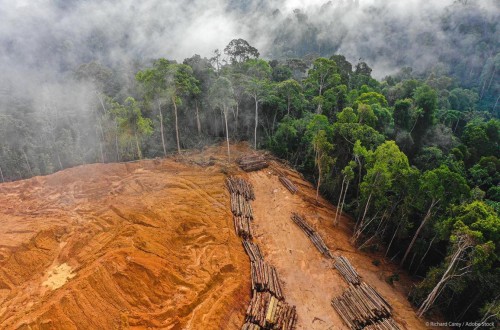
252 250
312 234
361 306
347 270
288 184
252 163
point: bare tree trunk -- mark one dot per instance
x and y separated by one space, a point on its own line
492 76
100 149
139 153
361 228
99 137
288 105
462 245
27 162
456 125
360 223
227 137
319 182
318 109
411 261
358 160
100 126
59 160
392 239
102 102
482 90
176 125
161 129
343 200
256 121
425 254
422 224
237 114
116 143
274 122
1 174
335 222
198 123
487 314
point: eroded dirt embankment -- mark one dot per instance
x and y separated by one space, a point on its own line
110 246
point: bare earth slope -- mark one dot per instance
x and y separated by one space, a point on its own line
309 280
151 244
111 246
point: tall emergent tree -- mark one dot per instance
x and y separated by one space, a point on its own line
154 82
257 86
132 125
239 51
438 186
221 96
180 83
322 76
322 158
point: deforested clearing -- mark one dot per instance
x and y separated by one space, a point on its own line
151 244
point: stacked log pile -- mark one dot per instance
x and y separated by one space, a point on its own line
268 312
347 270
250 326
252 250
267 309
240 206
242 226
361 306
288 184
241 194
265 278
312 234
240 186
252 163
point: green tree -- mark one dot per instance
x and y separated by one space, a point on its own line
239 51
291 91
204 72
322 158
473 231
322 76
371 98
366 115
482 139
344 68
180 83
131 123
221 96
257 85
347 177
438 186
426 100
384 167
154 84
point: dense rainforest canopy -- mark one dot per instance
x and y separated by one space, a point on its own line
414 157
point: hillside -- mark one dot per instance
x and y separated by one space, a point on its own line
151 244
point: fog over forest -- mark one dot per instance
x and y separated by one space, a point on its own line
44 42
390 107
53 36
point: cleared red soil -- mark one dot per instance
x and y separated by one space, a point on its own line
151 245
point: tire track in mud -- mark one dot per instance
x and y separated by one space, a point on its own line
136 240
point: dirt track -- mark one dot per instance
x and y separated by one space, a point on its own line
309 280
151 244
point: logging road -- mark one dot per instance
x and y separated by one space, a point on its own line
309 282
